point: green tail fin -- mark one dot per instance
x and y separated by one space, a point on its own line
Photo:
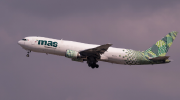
162 46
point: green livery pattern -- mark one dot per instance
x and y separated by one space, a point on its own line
162 46
133 57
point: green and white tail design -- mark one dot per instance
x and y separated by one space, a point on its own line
162 46
159 49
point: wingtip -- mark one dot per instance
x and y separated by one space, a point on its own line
110 44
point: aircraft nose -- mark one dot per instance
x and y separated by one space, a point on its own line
20 42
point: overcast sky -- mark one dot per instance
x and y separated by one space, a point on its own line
131 24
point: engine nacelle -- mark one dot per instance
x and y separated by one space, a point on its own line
72 54
77 59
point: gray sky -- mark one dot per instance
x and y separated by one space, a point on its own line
131 24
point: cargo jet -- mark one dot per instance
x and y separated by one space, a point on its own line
92 53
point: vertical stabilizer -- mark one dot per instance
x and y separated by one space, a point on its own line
162 46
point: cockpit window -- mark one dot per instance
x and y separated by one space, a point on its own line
24 39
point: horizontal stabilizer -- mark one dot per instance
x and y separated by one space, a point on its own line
159 58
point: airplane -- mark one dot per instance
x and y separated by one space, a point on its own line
92 53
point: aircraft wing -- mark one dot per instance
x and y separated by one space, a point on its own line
160 58
95 51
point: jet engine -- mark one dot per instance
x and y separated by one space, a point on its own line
77 59
72 54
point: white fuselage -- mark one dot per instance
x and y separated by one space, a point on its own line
112 55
